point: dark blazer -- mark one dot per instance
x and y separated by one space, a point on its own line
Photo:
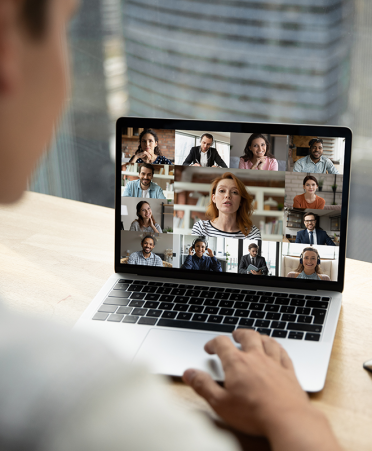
247 260
321 237
212 155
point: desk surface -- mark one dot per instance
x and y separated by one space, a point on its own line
57 253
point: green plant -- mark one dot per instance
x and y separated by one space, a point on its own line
320 182
334 187
168 230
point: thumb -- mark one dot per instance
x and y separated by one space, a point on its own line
204 386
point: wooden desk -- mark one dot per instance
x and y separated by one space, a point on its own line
57 253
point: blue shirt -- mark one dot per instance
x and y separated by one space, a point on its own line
137 258
306 164
204 263
133 189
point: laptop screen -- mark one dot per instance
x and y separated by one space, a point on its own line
251 203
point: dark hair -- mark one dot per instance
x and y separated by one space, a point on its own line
207 135
148 166
310 177
148 236
138 213
315 140
142 134
248 154
33 15
252 245
300 266
309 213
201 240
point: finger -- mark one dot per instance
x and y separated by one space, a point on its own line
249 340
272 348
204 386
286 360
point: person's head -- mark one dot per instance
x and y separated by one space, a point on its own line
309 261
144 212
33 85
200 246
148 141
253 249
316 148
310 184
229 196
257 146
310 221
206 140
146 173
148 243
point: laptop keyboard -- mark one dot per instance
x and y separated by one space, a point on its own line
281 315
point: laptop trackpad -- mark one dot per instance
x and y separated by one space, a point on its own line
171 352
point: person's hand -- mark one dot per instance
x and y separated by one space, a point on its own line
261 161
256 273
191 250
260 383
214 166
209 252
195 164
145 156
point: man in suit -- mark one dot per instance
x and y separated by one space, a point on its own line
312 235
205 155
253 259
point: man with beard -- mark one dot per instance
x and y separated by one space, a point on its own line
145 257
315 162
144 187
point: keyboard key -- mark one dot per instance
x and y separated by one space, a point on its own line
173 285
130 319
280 295
185 287
156 284
116 318
196 301
227 304
242 313
148 289
181 299
100 316
241 305
267 300
135 288
196 308
232 290
119 294
207 294
116 301
121 286
155 313
302 311
137 296
216 289
198 317
274 316
178 291
296 335
297 296
211 302
263 331
169 314
305 327
125 281
272 308
226 311
163 290
139 311
151 304
282 301
136 303
108 308
215 319
166 298
147 321
140 282
152 297
166 306
194 293
297 302
286 317
312 337
256 314
196 326
246 322
222 296
261 323
313 298
287 309
326 299
304 319
317 304
279 333
230 320
124 310
180 307
254 306
211 310
278 325
319 315
237 297
184 316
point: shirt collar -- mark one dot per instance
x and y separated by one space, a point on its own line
321 160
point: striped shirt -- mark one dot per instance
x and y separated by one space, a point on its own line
206 228
306 164
137 258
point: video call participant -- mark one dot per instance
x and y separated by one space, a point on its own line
309 266
198 260
229 211
315 162
253 259
204 155
309 199
145 257
312 235
144 187
257 154
74 382
146 221
148 150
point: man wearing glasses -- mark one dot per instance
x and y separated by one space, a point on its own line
312 235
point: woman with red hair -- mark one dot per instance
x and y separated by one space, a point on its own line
229 212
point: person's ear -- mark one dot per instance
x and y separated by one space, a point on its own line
213 198
10 66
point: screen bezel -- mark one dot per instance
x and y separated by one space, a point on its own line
236 127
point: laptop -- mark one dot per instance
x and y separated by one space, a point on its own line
198 204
